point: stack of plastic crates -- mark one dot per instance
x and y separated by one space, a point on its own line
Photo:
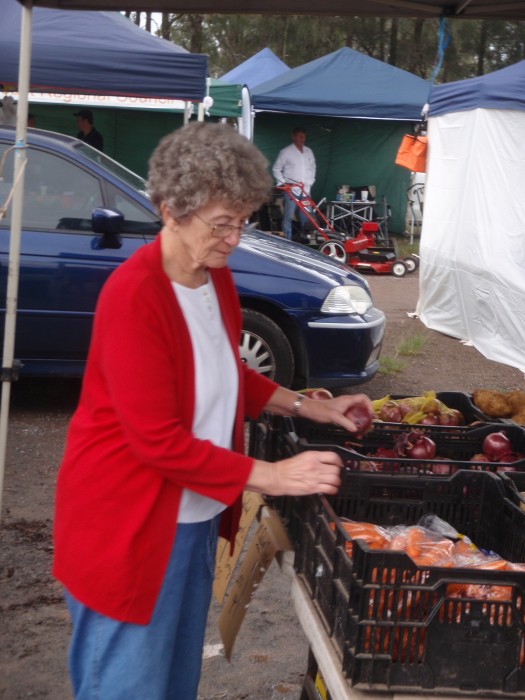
397 626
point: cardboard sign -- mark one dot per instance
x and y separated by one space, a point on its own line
224 563
269 538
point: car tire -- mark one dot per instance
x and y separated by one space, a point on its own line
333 249
265 348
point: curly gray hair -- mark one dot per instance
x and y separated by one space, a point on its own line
203 162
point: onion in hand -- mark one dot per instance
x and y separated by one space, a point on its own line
361 416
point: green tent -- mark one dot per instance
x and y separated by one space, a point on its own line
356 110
131 133
227 99
351 152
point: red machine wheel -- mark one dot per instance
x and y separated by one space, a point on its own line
399 269
333 249
411 262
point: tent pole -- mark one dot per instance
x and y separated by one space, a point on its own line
15 232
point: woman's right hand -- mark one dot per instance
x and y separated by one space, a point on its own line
306 473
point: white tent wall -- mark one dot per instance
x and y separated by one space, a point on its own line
472 275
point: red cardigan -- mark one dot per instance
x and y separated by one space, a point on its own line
130 450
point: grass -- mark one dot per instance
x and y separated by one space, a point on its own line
390 365
408 347
412 346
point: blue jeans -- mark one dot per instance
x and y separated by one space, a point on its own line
289 210
111 660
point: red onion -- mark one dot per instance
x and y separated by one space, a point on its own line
422 448
443 469
361 416
390 412
405 408
416 445
495 445
430 419
451 416
509 457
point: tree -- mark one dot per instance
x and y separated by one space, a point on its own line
475 46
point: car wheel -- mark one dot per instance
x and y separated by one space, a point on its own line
265 348
412 262
333 249
399 269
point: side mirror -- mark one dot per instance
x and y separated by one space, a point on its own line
108 222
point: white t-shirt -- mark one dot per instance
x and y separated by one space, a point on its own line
216 385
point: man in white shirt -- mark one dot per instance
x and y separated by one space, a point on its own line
295 164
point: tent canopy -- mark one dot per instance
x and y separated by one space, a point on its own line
261 67
100 53
467 9
227 98
502 89
472 282
355 109
345 83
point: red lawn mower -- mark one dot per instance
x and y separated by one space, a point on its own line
361 252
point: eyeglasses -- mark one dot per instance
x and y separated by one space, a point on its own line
225 230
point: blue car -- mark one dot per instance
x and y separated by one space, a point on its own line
308 320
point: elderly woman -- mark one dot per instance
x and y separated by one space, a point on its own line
154 466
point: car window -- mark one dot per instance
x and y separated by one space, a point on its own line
57 193
137 219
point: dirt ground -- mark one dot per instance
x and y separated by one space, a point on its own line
270 653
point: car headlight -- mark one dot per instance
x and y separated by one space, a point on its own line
348 299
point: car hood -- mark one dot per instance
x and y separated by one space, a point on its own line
299 258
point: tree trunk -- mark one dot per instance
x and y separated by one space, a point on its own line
196 34
482 47
165 27
394 26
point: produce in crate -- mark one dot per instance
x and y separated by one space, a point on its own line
415 444
501 404
433 542
426 409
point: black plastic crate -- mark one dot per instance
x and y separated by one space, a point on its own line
305 557
404 628
514 483
323 567
264 434
455 446
461 402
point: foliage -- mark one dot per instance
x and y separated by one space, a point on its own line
475 46
413 345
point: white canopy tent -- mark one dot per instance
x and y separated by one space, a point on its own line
472 275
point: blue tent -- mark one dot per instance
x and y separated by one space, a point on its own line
355 110
261 67
345 83
502 89
100 53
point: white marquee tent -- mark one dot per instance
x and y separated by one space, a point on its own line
472 276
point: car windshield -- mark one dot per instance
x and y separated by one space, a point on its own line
116 169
